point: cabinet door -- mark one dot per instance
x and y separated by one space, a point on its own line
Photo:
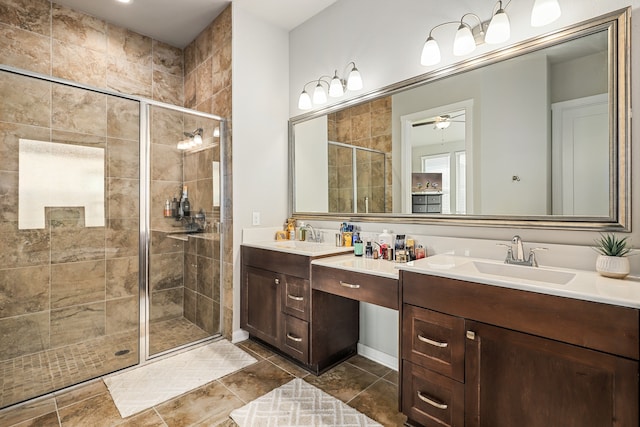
515 379
261 304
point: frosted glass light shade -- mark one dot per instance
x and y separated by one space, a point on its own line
354 82
319 95
499 29
544 12
464 42
304 102
197 140
430 52
335 88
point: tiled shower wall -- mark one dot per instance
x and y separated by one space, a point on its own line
67 283
47 38
366 125
207 88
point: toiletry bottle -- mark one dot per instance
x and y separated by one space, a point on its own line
302 232
385 238
369 250
174 208
357 247
186 205
167 209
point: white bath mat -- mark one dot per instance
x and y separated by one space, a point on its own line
299 404
141 388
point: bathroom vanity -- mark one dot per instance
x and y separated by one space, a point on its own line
476 354
278 308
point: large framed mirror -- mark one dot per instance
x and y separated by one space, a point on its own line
533 135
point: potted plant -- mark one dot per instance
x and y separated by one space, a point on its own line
612 260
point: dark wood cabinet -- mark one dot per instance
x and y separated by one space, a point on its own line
481 355
278 307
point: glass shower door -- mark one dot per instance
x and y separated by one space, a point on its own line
184 210
69 191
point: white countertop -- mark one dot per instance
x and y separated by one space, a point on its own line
360 264
580 284
298 247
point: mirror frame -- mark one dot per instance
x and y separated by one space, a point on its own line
618 24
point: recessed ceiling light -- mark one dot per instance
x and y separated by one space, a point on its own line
124 1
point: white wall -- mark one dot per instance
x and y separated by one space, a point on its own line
260 142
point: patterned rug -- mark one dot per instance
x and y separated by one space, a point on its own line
299 404
141 388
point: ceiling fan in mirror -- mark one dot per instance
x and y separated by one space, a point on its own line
441 122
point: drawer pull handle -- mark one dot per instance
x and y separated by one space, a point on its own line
349 285
295 298
276 281
292 338
432 342
432 402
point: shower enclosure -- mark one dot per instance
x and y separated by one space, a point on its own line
94 277
356 179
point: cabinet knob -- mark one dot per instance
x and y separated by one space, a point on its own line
276 281
471 335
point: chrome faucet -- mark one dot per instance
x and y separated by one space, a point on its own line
312 234
519 258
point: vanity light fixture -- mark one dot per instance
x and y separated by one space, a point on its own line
495 31
193 139
335 86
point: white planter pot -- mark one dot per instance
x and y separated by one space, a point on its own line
612 266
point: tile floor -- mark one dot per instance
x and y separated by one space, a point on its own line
61 367
365 385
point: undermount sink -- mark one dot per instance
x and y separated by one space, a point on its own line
555 277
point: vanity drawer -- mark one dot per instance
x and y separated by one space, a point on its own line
419 199
434 208
434 200
434 340
296 294
419 208
431 399
369 288
295 339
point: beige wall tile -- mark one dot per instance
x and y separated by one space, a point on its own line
204 81
73 244
167 88
24 248
204 192
160 192
76 324
9 135
122 238
78 110
165 271
24 100
161 243
123 198
190 90
77 283
123 160
24 290
79 64
122 277
166 162
190 58
24 49
204 46
204 314
128 77
190 305
166 126
30 15
24 334
8 196
74 138
122 315
168 59
123 118
167 304
128 45
77 28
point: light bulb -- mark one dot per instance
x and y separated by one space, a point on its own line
197 140
499 28
354 82
216 132
544 12
430 52
304 102
464 42
319 95
335 88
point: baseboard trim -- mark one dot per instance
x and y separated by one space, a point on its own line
378 356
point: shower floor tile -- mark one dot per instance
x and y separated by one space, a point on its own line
40 373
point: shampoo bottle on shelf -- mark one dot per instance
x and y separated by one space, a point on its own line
186 205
